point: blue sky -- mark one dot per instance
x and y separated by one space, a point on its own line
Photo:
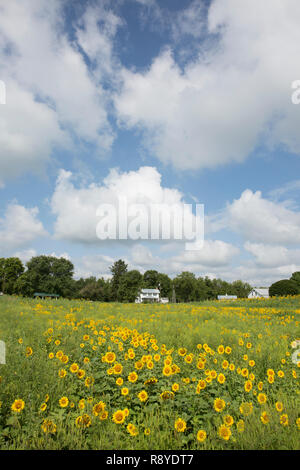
166 100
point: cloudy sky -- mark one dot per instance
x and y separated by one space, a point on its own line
160 101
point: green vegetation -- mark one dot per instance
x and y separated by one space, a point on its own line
284 288
226 368
55 276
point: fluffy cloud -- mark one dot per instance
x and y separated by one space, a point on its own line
215 254
52 97
19 227
142 258
273 255
25 255
95 34
29 130
234 96
62 255
257 275
190 21
76 208
260 220
96 265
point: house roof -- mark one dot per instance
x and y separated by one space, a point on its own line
149 291
220 297
43 294
261 290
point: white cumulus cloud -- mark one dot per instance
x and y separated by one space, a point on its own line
53 99
19 227
75 208
234 96
260 220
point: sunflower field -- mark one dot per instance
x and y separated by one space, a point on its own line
88 375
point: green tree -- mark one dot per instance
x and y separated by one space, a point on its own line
106 289
92 291
25 285
185 286
2 266
296 278
201 289
118 269
129 286
48 274
241 289
283 288
210 288
10 270
150 279
165 285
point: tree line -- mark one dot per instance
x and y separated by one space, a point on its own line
51 275
286 287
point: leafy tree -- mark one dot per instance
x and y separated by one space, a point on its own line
93 290
129 286
48 274
10 270
241 289
283 288
296 278
2 272
151 279
106 289
185 286
79 284
25 285
201 290
210 288
165 285
118 269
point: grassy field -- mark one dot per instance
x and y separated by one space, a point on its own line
87 375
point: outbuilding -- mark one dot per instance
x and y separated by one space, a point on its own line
259 292
43 295
227 297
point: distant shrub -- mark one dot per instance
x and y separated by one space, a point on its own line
284 288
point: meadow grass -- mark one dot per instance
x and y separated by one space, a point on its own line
222 367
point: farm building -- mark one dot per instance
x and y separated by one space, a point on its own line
150 295
259 292
227 297
43 295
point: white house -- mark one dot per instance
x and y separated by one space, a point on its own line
259 292
148 295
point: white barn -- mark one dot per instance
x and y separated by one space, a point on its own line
259 292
